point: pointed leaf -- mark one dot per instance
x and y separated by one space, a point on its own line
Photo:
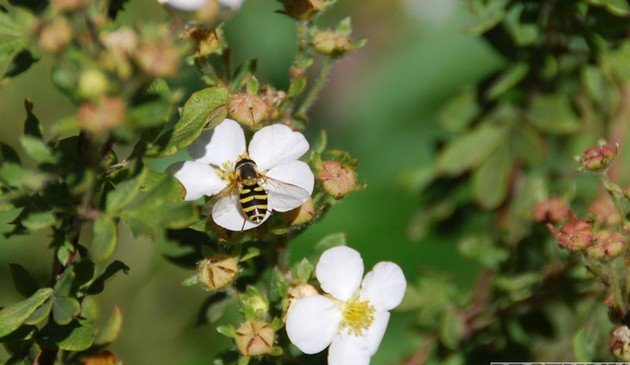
111 330
12 316
104 238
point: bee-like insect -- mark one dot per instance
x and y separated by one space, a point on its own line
250 185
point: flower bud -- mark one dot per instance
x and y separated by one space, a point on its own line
604 210
606 244
273 99
98 118
302 291
102 358
206 41
67 5
254 338
258 304
575 235
247 109
337 180
217 272
158 59
92 84
551 210
303 9
620 342
54 37
331 43
598 157
302 214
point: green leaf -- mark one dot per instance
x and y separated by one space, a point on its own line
8 154
111 330
125 192
191 281
508 79
529 145
197 113
483 250
553 114
246 68
104 238
487 17
469 150
228 331
460 111
490 182
38 220
41 313
616 7
36 149
582 348
98 285
76 336
65 309
23 281
304 270
277 285
522 34
14 315
15 28
451 330
417 179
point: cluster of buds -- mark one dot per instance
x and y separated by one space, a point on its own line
102 116
606 244
337 179
604 211
217 272
551 210
620 342
575 235
598 157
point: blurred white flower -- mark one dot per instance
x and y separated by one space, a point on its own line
274 149
352 317
192 5
431 11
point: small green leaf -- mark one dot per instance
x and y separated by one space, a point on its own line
470 149
522 34
76 336
41 313
98 285
529 145
616 7
111 330
304 270
12 316
65 309
246 68
483 250
460 111
583 348
490 182
196 115
36 149
104 238
553 114
278 285
23 281
487 17
38 220
451 330
507 80
125 192
191 281
228 331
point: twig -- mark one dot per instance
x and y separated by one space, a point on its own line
317 87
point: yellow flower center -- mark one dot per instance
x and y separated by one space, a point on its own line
357 316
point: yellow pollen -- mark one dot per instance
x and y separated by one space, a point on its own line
357 316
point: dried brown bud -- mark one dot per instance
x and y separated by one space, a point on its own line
331 43
604 210
254 338
217 272
606 244
159 59
551 210
67 5
98 118
598 157
273 99
337 180
303 214
620 342
575 235
247 109
206 41
102 358
303 9
54 37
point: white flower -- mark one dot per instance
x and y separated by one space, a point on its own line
192 5
275 150
353 315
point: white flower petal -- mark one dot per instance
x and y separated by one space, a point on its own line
312 322
197 178
298 184
224 144
376 331
348 350
228 214
384 286
276 144
232 4
186 5
339 272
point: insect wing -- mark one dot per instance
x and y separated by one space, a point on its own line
206 209
285 189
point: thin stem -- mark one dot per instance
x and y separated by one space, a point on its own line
616 289
315 90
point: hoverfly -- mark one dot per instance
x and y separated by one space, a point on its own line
253 188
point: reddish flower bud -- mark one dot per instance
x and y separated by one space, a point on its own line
247 109
217 272
337 180
575 235
54 37
551 210
254 338
620 342
100 118
598 157
606 244
604 210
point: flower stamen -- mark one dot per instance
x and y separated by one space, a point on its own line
357 316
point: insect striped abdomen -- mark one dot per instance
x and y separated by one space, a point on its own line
253 199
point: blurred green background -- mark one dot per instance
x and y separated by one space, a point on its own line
379 105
